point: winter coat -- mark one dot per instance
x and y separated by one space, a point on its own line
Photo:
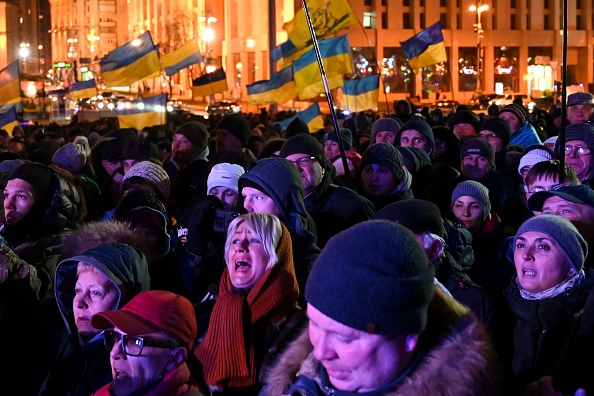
526 136
186 182
459 360
335 208
280 181
79 369
554 336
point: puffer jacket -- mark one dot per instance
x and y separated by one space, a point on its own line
81 368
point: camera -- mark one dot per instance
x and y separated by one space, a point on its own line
222 219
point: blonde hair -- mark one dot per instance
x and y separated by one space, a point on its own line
266 227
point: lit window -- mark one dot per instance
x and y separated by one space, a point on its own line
369 20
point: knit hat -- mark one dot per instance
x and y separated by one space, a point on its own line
153 173
196 133
552 140
296 127
533 156
142 150
475 190
583 131
414 158
499 127
150 312
224 175
38 176
418 124
415 214
563 233
236 125
383 289
581 194
8 166
386 155
303 144
385 124
345 134
580 98
71 157
516 110
464 117
478 146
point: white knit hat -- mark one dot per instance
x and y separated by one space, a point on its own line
153 173
534 156
224 175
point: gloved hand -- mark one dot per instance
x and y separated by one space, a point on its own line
200 225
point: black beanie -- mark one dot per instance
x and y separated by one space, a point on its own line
384 288
143 150
38 176
236 125
196 133
345 134
499 127
112 149
418 124
478 146
296 127
415 214
386 155
303 144
414 158
464 117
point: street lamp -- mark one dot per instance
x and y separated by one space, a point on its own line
478 28
24 52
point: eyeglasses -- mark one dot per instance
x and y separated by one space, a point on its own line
554 188
581 150
132 345
305 161
488 136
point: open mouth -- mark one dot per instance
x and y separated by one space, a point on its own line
528 272
242 265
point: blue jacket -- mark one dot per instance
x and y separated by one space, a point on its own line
526 136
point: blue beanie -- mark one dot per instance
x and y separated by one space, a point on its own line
563 233
475 190
418 124
384 289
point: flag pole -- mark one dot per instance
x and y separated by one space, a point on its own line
316 48
561 142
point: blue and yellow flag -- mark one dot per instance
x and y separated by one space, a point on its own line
312 116
10 85
279 89
360 94
425 48
185 56
133 61
210 83
336 57
83 89
8 119
327 16
142 113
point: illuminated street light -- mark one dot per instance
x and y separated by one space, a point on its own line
478 28
24 52
208 34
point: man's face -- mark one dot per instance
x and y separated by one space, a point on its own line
310 170
377 180
111 167
331 149
412 138
475 167
385 137
542 183
493 139
581 164
255 201
464 131
356 361
579 113
574 212
227 141
129 163
512 120
182 150
19 198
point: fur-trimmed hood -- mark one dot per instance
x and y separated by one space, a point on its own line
460 359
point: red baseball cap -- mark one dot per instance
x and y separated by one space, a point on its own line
153 311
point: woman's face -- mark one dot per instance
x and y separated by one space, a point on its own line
227 196
331 149
469 212
377 180
540 263
19 198
94 293
512 120
246 258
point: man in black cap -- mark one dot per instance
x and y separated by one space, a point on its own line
464 124
233 133
580 107
333 208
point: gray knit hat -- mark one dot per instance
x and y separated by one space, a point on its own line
196 133
71 157
475 190
383 289
563 233
153 173
385 124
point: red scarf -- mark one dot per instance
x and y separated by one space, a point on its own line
228 356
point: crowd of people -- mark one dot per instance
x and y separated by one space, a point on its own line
403 254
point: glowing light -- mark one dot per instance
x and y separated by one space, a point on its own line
208 34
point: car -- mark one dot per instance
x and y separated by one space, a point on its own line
446 104
510 98
224 107
481 101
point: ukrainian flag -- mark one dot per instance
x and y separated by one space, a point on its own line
210 83
336 57
360 94
10 86
134 61
185 56
279 89
83 89
8 119
142 113
425 48
312 116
